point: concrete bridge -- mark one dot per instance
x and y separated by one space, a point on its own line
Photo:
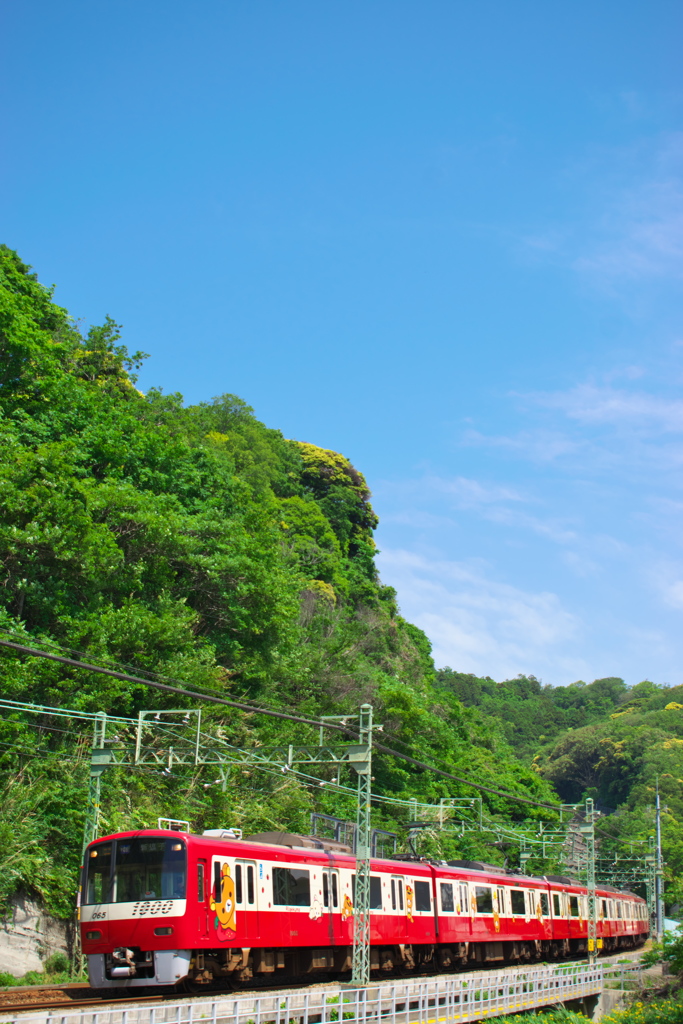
444 999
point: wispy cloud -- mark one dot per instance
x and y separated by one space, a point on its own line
540 445
634 228
596 429
496 503
595 404
643 235
481 625
459 491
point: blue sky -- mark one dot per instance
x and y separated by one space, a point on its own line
443 238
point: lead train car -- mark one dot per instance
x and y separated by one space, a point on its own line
158 907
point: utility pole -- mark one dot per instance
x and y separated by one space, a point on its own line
650 884
100 757
361 761
659 926
588 831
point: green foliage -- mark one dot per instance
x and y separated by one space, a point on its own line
670 952
58 963
558 1015
534 714
664 1011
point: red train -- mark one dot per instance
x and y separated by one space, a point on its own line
160 907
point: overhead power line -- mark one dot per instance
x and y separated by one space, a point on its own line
253 709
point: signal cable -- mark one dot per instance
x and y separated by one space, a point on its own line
126 677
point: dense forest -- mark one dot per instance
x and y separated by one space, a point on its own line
192 543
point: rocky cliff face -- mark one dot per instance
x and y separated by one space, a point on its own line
28 936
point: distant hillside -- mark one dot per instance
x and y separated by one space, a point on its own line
602 740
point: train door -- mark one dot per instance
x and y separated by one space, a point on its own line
464 908
397 905
396 888
246 896
331 905
331 890
202 901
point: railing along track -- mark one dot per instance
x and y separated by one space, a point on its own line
444 999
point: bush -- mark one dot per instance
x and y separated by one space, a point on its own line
58 963
7 979
33 978
664 1012
559 1015
670 952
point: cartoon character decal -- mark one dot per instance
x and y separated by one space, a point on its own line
347 908
225 924
496 915
316 910
410 902
539 910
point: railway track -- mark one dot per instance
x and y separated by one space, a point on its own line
74 996
79 995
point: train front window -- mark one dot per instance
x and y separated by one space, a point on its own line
98 867
149 869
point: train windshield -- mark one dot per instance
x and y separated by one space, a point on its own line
130 870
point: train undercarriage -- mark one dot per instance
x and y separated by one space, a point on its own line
235 966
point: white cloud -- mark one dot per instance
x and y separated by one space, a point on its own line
635 230
644 234
478 624
666 579
552 529
496 503
596 404
673 594
538 445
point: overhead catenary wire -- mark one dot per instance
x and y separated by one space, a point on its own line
252 709
161 681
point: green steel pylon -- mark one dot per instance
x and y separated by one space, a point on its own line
361 759
588 831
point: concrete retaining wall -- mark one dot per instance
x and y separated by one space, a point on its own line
28 936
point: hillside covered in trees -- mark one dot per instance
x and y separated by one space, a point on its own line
600 739
196 544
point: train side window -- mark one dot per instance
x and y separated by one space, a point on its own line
500 899
238 883
335 890
556 905
200 882
464 898
484 899
99 864
447 904
545 905
291 887
393 894
375 891
573 906
517 902
217 881
423 896
326 889
400 894
250 883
